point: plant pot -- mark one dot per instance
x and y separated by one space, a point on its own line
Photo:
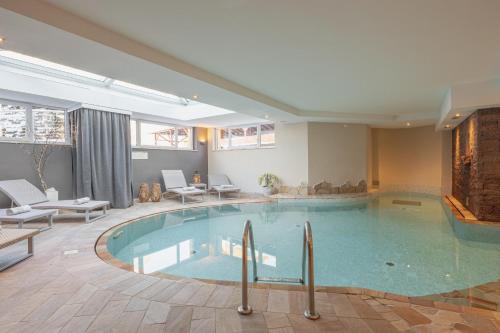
267 190
52 194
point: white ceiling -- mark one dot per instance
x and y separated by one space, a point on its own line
380 62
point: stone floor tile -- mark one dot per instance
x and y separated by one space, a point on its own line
276 320
156 313
77 324
411 316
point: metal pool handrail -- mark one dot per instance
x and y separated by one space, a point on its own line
307 248
310 312
244 308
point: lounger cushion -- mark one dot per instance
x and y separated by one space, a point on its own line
28 216
226 189
183 192
70 205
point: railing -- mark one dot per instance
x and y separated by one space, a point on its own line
307 248
244 308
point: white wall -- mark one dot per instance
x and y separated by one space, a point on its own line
305 152
288 160
337 153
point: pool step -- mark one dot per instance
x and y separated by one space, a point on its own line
279 280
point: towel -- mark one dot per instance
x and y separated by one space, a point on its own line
227 186
81 201
189 188
18 210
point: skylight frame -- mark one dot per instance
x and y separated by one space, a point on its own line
47 70
49 67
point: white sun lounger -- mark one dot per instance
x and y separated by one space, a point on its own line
33 214
22 192
175 182
222 184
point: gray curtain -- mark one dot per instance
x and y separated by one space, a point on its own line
102 156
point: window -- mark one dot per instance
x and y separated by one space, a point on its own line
185 137
32 123
13 121
146 134
133 133
157 135
244 137
48 124
222 138
267 137
255 136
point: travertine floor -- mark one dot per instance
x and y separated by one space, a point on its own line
77 292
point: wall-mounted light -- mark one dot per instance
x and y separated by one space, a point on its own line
195 96
2 39
266 116
447 126
456 116
408 124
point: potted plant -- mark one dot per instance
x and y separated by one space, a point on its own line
268 181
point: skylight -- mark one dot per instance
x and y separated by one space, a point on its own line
171 106
147 91
18 57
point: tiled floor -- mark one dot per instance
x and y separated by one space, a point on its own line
77 292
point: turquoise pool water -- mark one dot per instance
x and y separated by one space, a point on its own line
373 243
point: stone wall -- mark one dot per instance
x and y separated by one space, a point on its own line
476 164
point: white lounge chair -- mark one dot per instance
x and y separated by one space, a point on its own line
175 182
22 192
222 184
33 214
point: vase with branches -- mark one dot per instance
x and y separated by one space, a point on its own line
46 140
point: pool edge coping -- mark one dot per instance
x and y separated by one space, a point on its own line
443 301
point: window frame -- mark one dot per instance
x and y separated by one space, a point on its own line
138 140
259 145
30 124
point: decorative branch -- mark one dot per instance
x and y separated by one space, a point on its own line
43 145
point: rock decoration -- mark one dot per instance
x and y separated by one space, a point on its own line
322 188
325 187
362 187
156 192
144 192
347 188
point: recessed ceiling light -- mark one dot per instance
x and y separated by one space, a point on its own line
266 116
195 96
2 39
447 126
408 124
457 115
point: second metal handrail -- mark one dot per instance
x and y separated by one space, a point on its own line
307 249
244 308
307 246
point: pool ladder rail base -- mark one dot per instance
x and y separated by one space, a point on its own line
307 248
